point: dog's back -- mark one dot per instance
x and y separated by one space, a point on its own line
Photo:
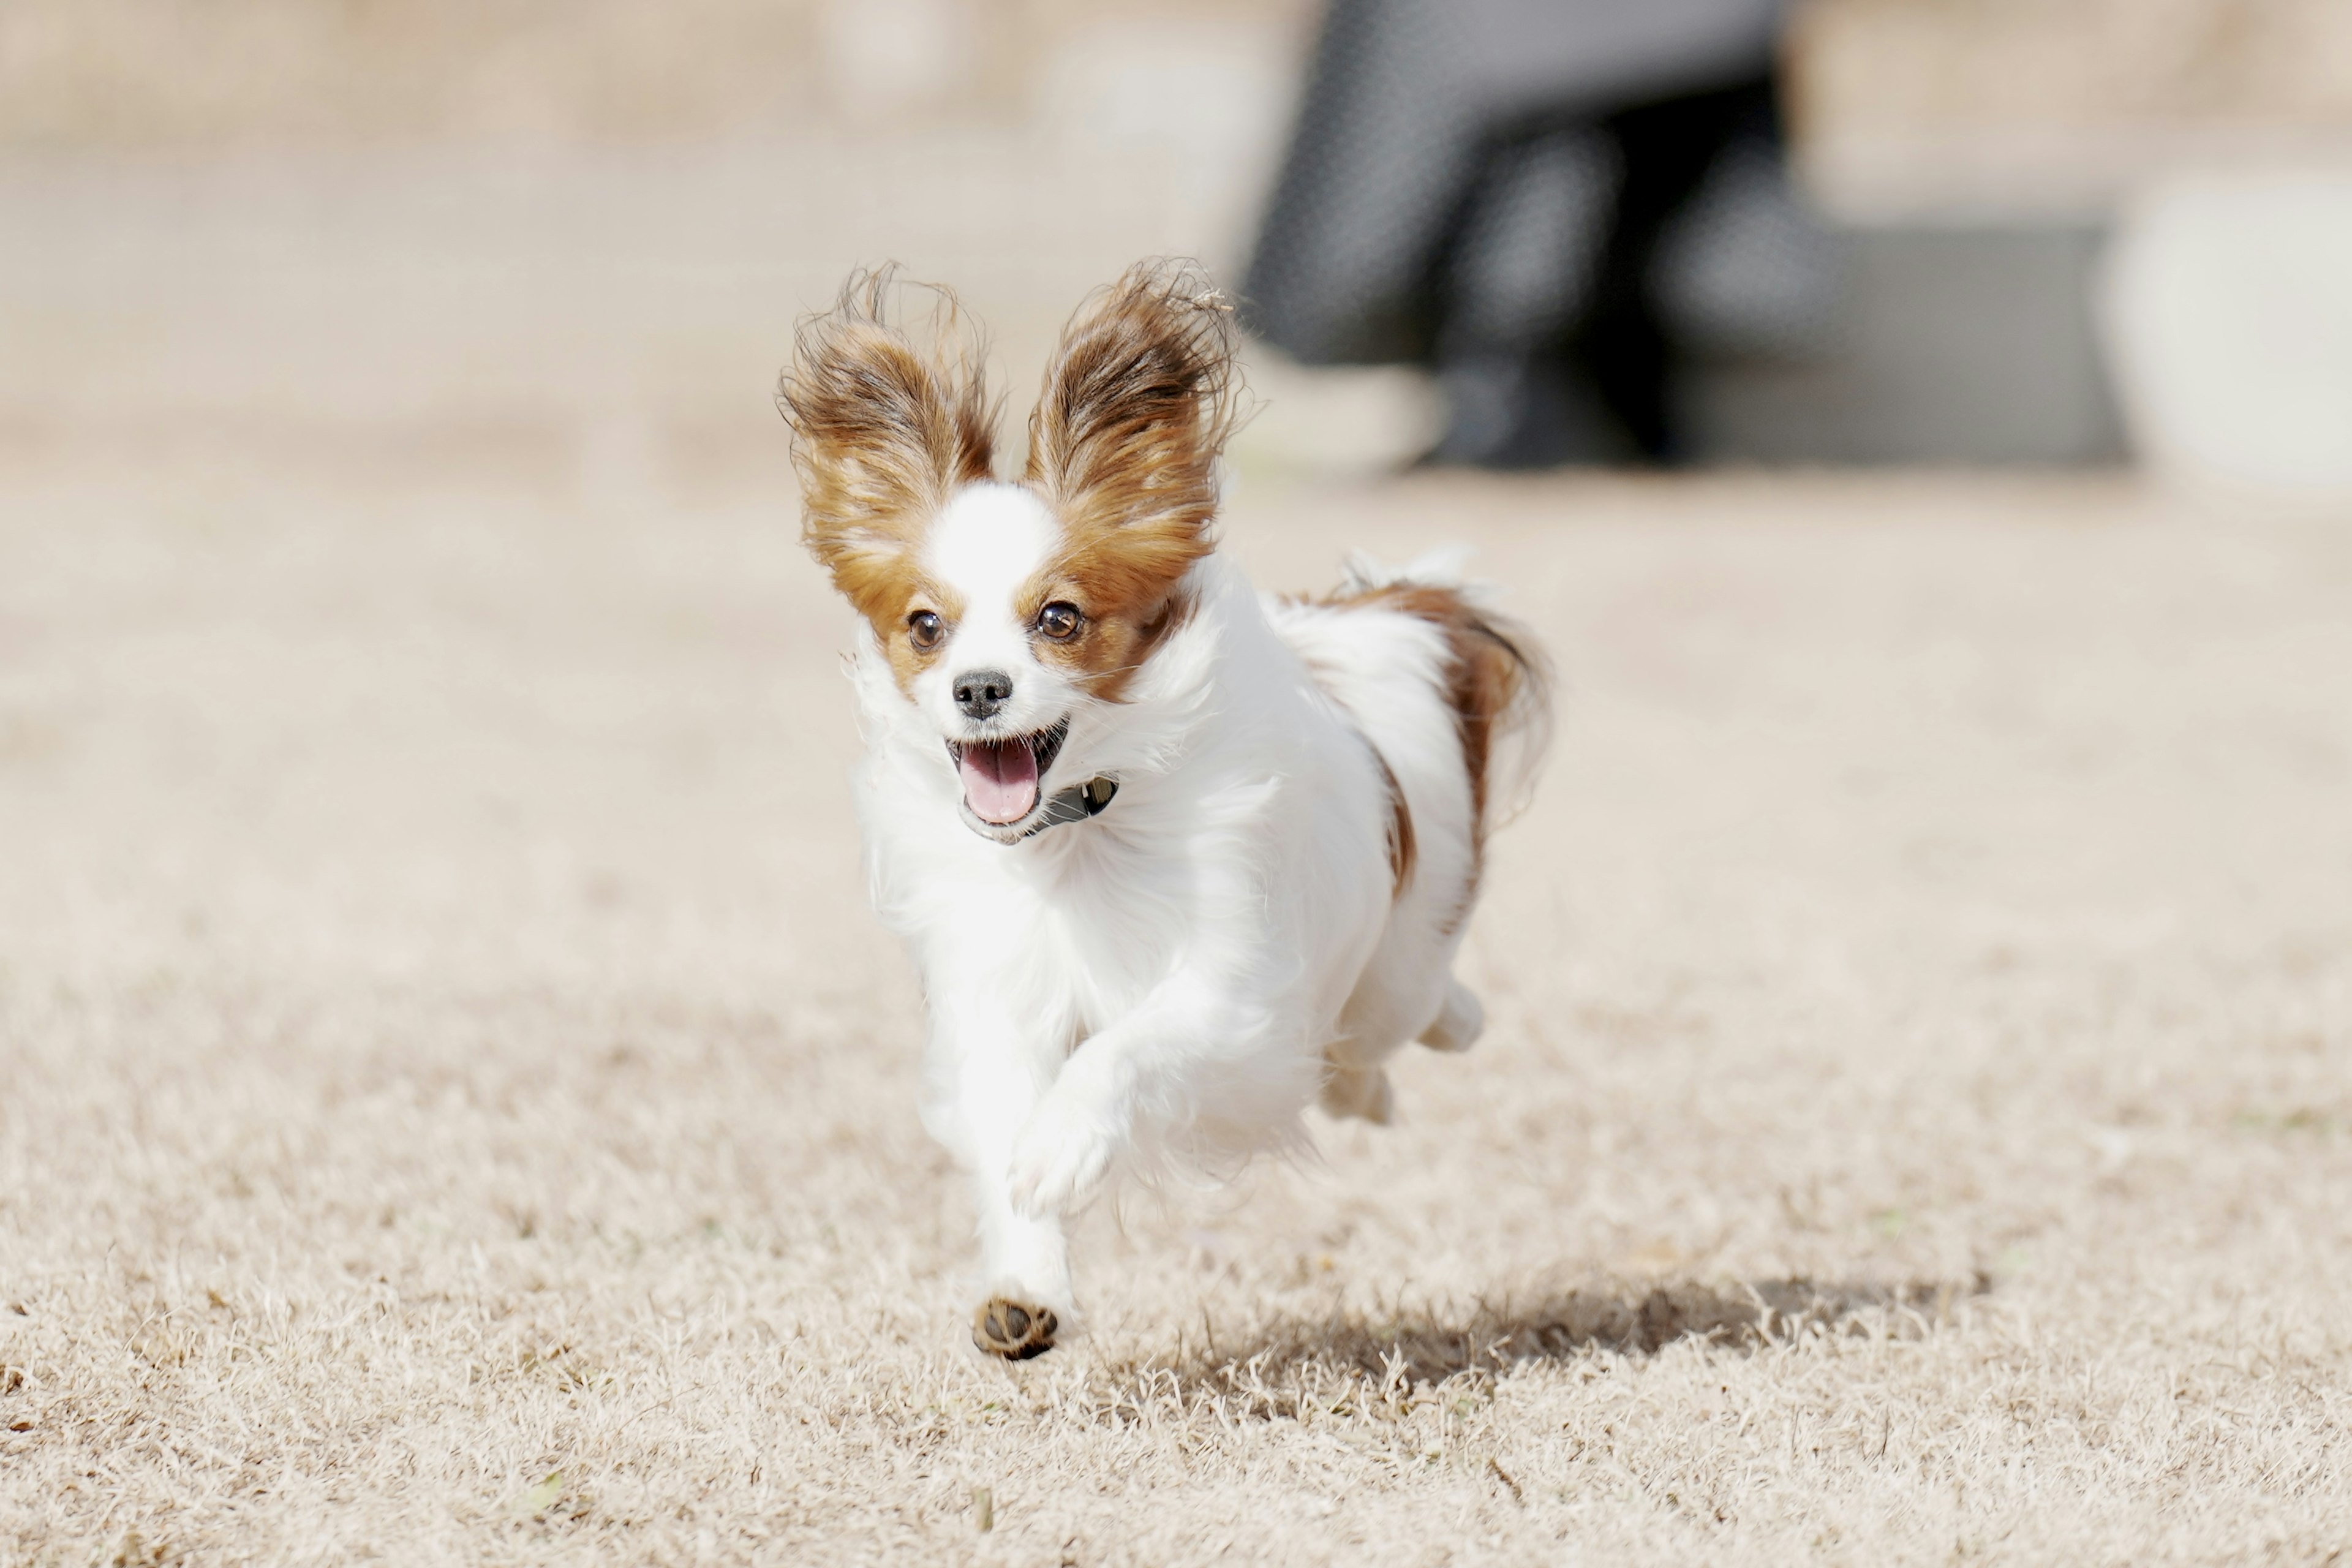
1454 703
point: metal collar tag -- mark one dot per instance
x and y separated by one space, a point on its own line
1076 804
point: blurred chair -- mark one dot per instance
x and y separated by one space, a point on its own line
1548 202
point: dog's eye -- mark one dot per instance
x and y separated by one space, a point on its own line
1059 621
924 629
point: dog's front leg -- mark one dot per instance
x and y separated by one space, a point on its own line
987 1078
1083 1125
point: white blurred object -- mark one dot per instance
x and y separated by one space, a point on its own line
1348 422
1215 87
885 57
2228 313
1191 109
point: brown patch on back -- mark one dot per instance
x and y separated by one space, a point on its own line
1404 850
1494 676
1402 847
1123 449
884 432
1496 680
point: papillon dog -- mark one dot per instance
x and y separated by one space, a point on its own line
1174 861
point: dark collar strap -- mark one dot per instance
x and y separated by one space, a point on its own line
1076 804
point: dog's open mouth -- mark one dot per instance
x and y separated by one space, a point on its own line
1002 778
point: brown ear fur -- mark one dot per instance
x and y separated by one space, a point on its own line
884 431
1123 446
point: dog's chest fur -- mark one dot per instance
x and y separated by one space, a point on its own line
1076 929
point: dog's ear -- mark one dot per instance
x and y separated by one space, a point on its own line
1139 402
884 429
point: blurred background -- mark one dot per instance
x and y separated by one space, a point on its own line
1945 231
432 933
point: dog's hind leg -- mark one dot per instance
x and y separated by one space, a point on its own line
1459 1022
1362 1092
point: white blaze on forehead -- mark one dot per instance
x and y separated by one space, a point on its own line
989 541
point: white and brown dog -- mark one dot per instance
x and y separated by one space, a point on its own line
1174 861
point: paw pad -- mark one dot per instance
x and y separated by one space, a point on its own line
1010 1330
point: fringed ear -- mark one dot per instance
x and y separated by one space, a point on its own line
884 430
1139 402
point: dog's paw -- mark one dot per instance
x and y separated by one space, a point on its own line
1459 1023
1361 1092
1062 1155
1013 1329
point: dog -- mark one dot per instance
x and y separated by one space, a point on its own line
1175 861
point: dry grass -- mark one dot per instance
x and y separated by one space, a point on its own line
453 1106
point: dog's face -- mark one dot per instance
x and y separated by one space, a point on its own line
1006 610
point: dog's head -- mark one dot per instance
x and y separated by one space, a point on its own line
1005 609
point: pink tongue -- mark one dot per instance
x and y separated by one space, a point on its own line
999 782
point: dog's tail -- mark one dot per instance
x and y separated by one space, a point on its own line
1499 682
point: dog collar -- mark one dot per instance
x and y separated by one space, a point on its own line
1076 804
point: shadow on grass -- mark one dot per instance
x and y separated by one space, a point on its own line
1358 1360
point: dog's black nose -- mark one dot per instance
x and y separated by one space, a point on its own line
980 692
